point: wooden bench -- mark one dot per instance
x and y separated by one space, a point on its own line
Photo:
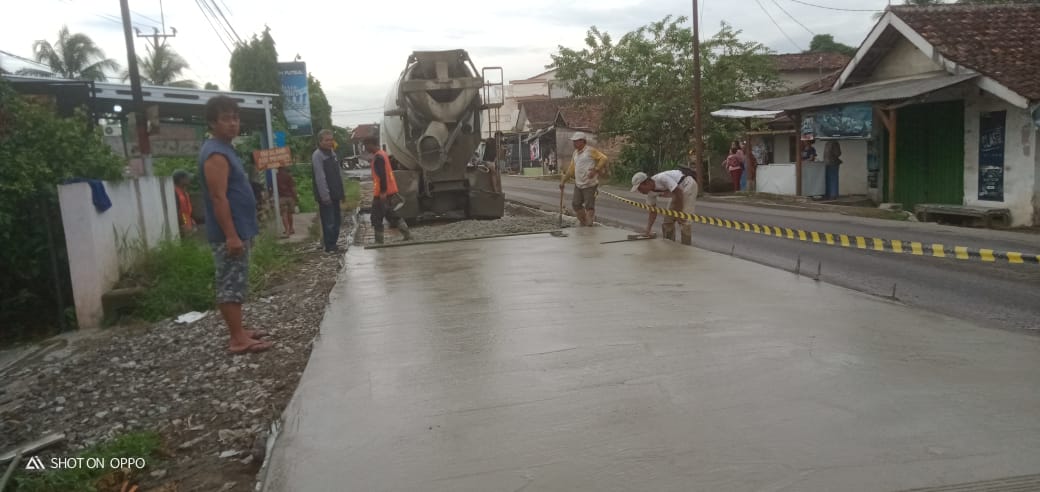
928 212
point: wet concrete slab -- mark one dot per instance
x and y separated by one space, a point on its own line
543 363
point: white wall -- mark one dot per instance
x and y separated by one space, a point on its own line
143 213
852 177
1020 161
904 59
793 79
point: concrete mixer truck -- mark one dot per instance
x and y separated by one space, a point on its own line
431 129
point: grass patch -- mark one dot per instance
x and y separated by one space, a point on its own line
351 194
178 275
84 479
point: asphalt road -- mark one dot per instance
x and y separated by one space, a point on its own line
994 295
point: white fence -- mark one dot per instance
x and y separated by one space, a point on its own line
100 244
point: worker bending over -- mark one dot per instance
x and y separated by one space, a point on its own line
681 186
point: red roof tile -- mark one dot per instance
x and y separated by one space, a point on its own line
582 114
364 131
540 112
810 61
998 41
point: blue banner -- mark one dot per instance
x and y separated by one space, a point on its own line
852 121
991 156
297 101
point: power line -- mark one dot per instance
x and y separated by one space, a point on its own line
214 28
213 15
834 8
221 12
799 48
361 110
793 18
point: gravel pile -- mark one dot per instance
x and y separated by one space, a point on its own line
212 409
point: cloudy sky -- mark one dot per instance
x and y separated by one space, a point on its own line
357 49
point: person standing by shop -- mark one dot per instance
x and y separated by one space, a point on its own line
832 161
586 167
328 189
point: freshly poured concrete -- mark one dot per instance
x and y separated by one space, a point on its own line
561 364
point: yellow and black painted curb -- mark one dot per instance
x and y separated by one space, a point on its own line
914 248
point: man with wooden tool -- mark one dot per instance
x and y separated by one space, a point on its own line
586 167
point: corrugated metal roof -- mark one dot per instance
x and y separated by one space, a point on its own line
880 91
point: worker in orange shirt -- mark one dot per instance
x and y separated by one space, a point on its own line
181 181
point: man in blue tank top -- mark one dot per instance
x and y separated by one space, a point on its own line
231 221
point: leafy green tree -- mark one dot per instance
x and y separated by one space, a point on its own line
74 56
321 111
39 150
254 68
825 43
163 66
342 136
645 82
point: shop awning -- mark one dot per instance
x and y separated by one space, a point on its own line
538 134
745 113
875 92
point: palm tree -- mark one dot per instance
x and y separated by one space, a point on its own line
163 66
74 56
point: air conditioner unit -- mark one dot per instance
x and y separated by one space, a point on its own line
112 129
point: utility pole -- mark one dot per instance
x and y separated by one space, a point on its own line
155 36
143 143
698 136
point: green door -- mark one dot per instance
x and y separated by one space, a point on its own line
930 154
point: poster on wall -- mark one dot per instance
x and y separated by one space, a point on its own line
991 156
852 121
294 91
807 127
535 151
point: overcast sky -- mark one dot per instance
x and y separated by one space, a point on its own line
357 49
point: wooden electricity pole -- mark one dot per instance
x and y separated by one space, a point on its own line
698 136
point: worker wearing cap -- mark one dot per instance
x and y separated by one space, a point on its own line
681 187
587 164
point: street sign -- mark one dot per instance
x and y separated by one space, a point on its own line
272 158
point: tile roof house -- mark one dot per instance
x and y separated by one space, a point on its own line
364 131
803 69
947 102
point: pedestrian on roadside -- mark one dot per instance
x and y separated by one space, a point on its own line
734 165
328 189
808 151
385 199
287 199
832 161
181 181
231 222
587 165
681 186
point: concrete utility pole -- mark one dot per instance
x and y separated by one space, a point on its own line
143 142
698 136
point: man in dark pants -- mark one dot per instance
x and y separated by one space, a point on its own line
328 189
384 192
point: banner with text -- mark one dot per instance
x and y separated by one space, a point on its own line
294 93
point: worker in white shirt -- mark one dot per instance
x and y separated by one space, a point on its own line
681 186
587 165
